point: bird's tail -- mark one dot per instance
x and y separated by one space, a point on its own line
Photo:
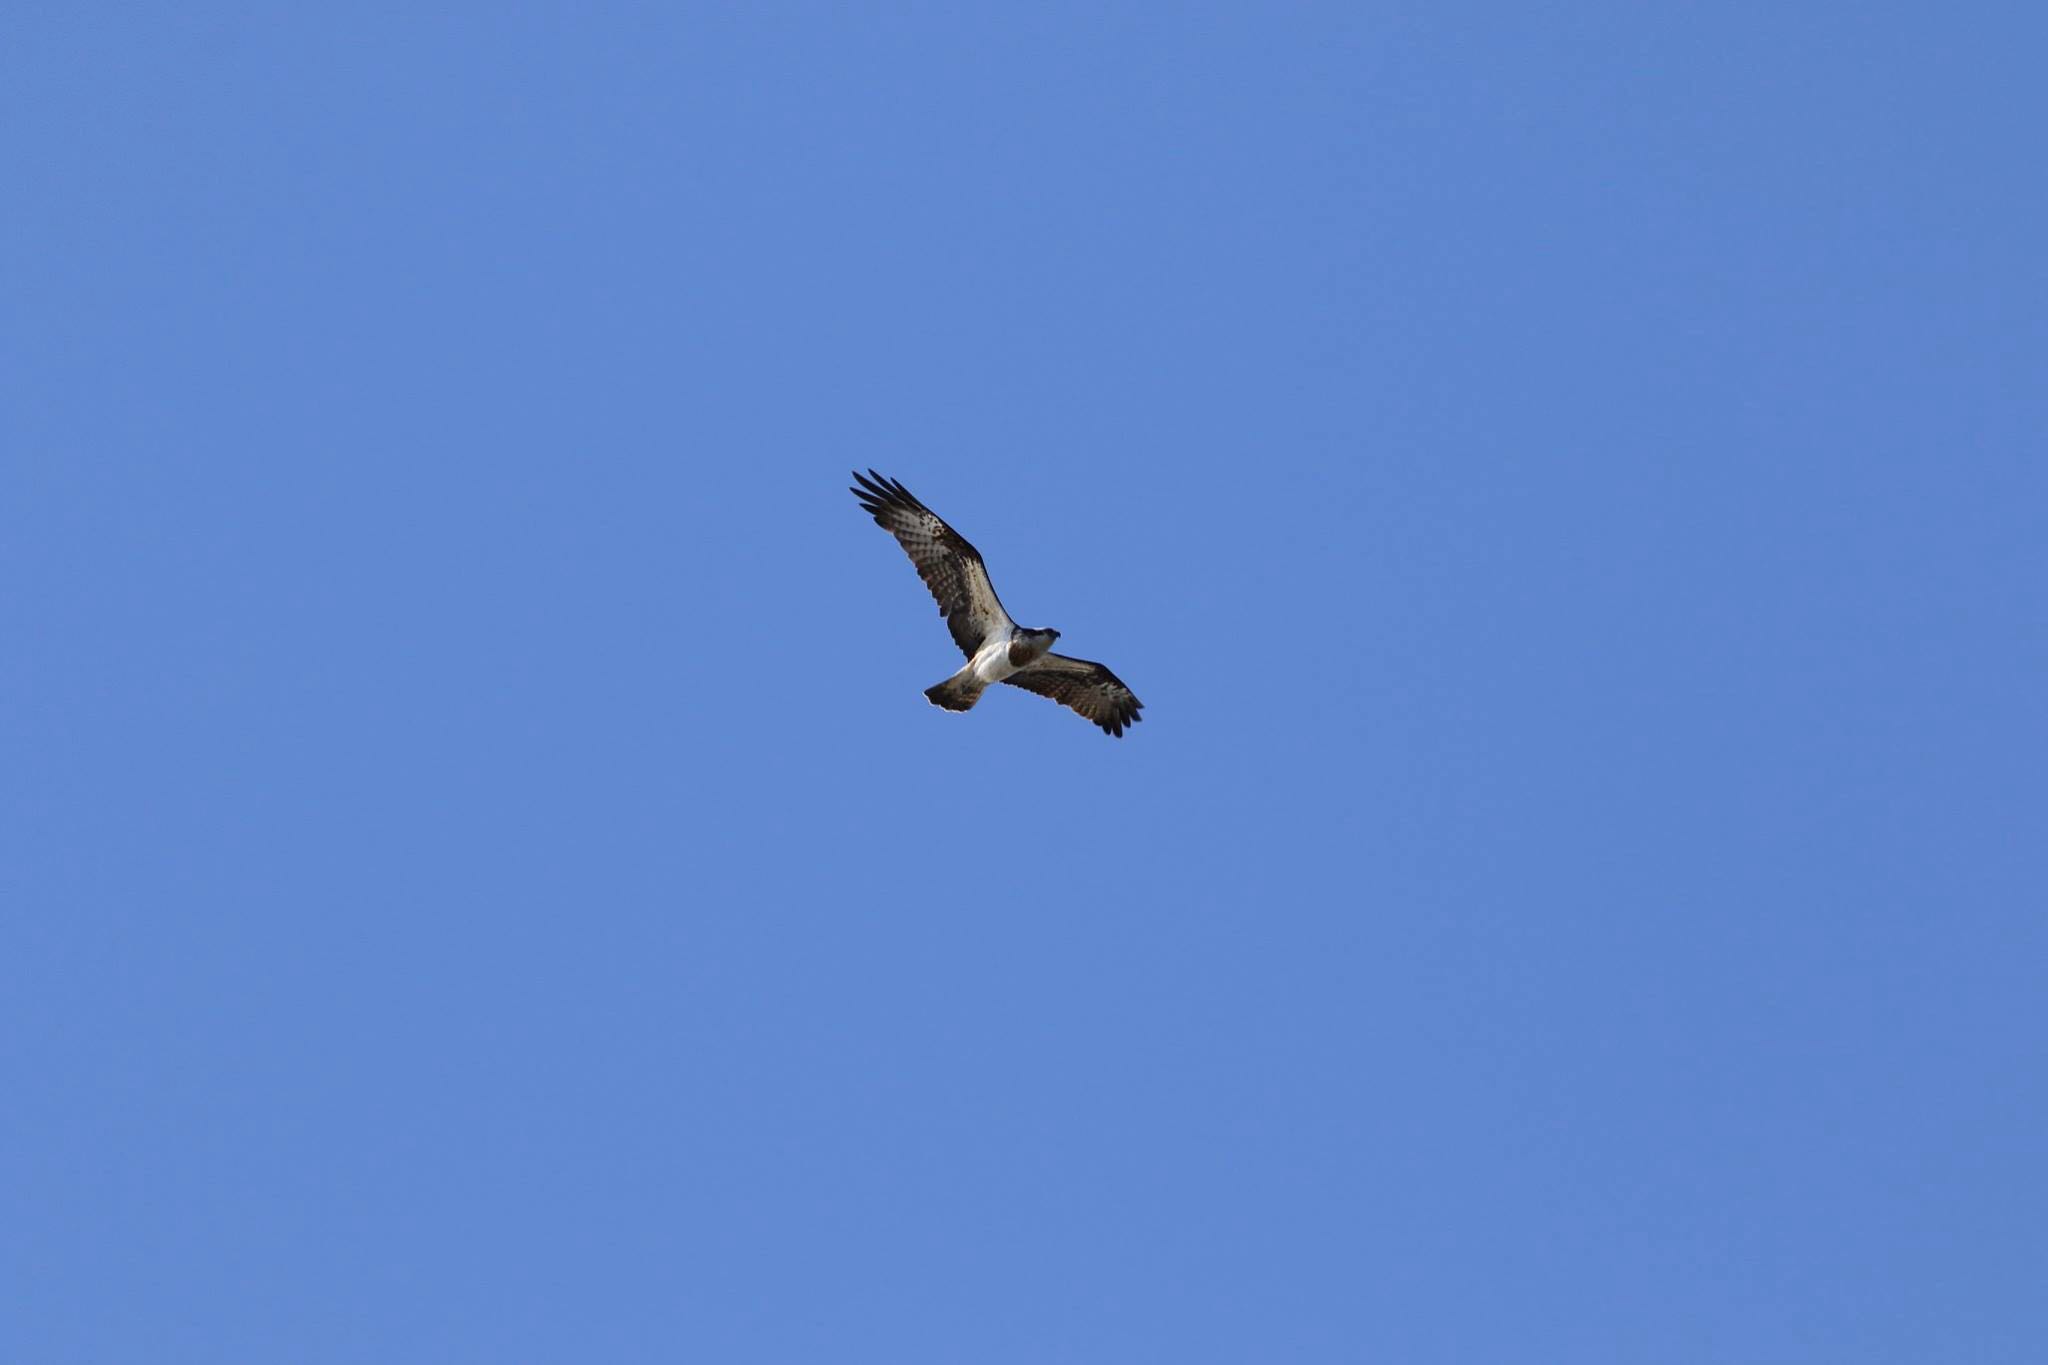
957 693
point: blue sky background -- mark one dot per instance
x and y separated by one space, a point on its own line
481 882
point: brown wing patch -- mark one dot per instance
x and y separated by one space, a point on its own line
949 566
1084 687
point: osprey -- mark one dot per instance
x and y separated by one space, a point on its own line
997 648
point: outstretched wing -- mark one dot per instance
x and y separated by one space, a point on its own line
950 567
1085 687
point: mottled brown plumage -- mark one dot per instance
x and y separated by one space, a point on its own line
1084 687
949 566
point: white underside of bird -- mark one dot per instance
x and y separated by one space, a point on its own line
1007 651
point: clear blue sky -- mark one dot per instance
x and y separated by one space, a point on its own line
480 880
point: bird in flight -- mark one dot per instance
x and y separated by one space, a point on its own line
997 648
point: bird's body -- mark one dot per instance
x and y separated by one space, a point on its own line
1007 652
998 650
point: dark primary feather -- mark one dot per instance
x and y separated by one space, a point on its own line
1082 686
950 567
